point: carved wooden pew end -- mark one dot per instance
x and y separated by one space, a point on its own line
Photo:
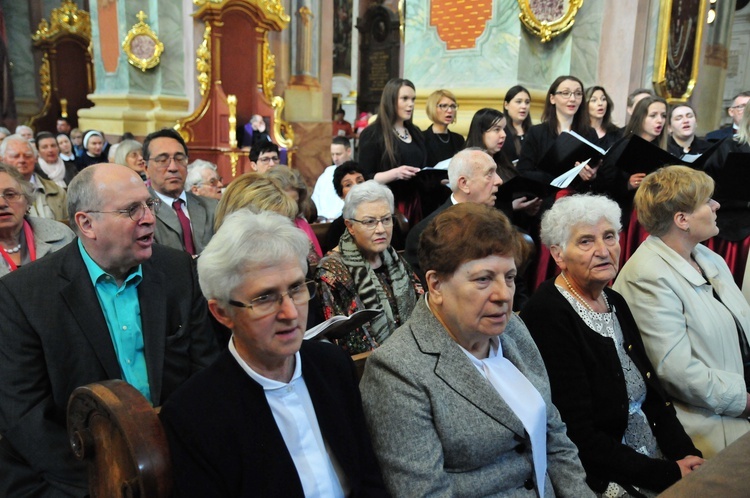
117 432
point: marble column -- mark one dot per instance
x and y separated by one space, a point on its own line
18 29
127 98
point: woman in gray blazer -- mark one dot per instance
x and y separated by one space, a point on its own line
693 318
457 400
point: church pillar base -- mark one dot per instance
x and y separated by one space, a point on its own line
138 114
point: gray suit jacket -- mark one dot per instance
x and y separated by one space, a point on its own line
440 429
169 231
49 236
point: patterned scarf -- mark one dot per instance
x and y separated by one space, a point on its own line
370 291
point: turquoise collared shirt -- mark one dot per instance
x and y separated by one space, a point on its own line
122 312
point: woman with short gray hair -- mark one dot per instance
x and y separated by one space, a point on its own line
629 438
364 271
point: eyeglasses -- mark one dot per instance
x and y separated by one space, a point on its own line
213 182
270 303
445 107
372 223
162 160
11 195
738 106
15 155
268 159
566 94
136 212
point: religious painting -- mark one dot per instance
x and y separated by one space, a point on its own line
342 37
678 48
548 18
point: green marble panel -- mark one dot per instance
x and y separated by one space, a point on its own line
20 53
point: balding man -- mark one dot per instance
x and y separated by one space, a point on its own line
50 200
110 305
735 111
472 175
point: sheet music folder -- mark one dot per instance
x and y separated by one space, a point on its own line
733 179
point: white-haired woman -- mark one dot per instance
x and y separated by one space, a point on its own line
130 153
287 420
364 271
203 179
616 411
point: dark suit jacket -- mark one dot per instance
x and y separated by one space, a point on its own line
588 387
225 442
720 134
411 255
55 338
169 230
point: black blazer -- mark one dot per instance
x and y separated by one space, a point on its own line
733 219
55 338
588 388
225 442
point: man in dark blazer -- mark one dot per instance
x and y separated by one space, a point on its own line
166 154
275 415
472 176
735 111
63 327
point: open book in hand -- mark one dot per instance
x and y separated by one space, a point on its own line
568 149
338 326
567 178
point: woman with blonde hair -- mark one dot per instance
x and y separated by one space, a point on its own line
441 143
693 318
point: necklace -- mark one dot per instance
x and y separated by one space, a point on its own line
579 297
405 136
14 250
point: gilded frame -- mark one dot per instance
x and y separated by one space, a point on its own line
141 37
671 80
546 29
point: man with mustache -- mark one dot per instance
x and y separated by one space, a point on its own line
187 220
110 305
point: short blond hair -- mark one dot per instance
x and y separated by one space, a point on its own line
668 191
432 103
257 192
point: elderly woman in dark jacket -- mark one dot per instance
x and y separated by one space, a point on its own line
617 413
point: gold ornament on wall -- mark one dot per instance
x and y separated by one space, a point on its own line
547 19
203 61
142 46
64 19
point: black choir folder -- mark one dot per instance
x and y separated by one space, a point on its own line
733 179
642 156
338 326
632 154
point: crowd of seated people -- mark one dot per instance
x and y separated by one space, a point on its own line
161 276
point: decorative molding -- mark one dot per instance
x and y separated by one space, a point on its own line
45 85
274 15
142 46
232 103
203 61
66 19
268 77
550 19
678 49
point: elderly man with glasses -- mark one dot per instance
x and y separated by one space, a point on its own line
109 305
203 180
187 221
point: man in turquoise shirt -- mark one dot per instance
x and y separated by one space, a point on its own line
112 305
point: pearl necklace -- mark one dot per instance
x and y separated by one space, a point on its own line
580 298
405 136
14 250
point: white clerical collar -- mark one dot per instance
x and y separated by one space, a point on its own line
266 383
